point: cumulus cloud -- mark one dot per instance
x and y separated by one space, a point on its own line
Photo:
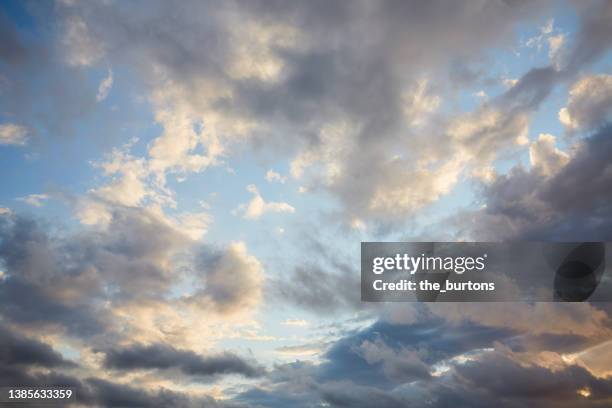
232 279
399 366
283 77
571 204
337 90
81 280
273 176
545 156
258 206
589 104
12 134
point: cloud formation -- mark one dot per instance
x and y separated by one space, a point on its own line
160 356
258 206
12 134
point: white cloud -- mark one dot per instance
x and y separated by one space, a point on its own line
273 176
12 134
105 86
194 225
419 102
545 156
545 31
589 104
127 185
36 200
358 224
90 211
555 44
258 206
296 322
5 211
481 94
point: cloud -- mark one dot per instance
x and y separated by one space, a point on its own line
589 104
544 155
17 350
533 382
314 288
82 49
36 200
84 282
258 206
398 366
336 89
101 392
162 357
279 82
273 176
105 86
296 322
571 204
13 135
446 363
232 279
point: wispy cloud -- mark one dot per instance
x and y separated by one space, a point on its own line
13 134
36 200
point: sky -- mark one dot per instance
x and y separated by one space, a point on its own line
185 187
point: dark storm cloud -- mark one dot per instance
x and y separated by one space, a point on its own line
108 394
573 204
97 392
161 356
19 350
531 383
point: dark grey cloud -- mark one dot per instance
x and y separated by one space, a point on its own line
573 204
108 394
229 279
435 340
319 289
161 356
489 374
33 288
327 284
98 392
532 383
19 350
75 281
